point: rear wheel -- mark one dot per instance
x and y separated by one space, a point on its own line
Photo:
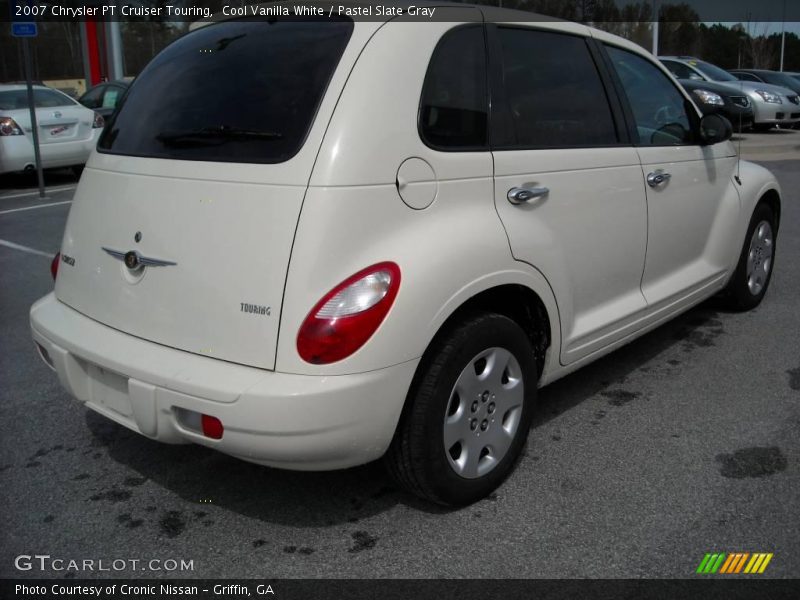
750 280
469 411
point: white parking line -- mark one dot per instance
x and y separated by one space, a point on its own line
14 246
13 210
22 195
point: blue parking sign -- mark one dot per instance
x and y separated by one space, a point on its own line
27 29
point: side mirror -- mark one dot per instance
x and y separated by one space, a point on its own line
714 129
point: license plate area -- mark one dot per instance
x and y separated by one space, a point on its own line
59 130
110 390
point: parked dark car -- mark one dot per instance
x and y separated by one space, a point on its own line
104 97
715 98
771 77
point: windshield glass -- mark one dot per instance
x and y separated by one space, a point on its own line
712 72
237 91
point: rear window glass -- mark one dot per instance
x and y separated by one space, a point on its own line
455 101
15 99
238 91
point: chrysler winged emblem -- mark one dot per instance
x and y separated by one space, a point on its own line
134 260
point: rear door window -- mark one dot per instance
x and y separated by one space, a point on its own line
91 99
680 71
111 97
555 95
237 91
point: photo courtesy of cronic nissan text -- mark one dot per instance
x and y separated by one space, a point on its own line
366 299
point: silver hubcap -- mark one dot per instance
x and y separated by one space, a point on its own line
759 258
483 413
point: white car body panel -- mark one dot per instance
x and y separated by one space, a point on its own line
609 258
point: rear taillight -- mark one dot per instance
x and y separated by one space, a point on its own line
8 126
54 265
99 121
348 315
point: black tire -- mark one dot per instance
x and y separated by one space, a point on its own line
737 294
417 458
763 127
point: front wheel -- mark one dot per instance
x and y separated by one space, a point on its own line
750 280
470 408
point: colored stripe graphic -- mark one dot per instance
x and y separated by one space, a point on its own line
734 560
764 564
727 564
718 564
741 562
734 563
755 561
703 563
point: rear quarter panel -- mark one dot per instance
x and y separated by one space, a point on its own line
353 216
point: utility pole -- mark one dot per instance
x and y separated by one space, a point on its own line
783 33
655 28
114 50
32 106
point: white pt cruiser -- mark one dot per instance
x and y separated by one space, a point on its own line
311 244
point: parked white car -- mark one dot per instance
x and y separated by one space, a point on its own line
383 243
68 131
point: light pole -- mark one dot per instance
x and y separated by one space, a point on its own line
783 33
655 28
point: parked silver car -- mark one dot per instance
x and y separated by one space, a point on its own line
772 104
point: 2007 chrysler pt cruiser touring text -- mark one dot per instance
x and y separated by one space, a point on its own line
334 241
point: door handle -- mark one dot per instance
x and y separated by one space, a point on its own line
520 195
657 178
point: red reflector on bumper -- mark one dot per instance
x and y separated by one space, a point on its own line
212 427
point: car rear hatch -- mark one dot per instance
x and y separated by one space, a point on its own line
183 222
64 124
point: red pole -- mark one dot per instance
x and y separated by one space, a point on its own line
94 52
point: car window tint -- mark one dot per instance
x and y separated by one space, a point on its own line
454 104
658 107
679 70
110 97
241 90
50 98
747 77
555 94
91 98
15 99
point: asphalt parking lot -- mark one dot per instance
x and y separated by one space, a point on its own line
684 442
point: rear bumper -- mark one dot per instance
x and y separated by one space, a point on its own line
278 419
17 152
